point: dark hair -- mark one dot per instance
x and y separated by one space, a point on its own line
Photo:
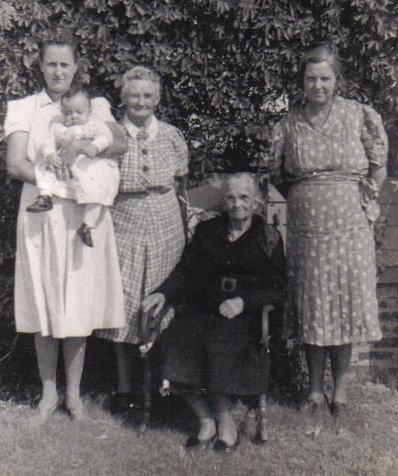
75 91
321 53
59 38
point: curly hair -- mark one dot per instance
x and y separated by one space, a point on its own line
139 73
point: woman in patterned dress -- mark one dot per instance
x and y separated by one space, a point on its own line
63 289
146 214
332 153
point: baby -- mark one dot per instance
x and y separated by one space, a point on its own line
90 181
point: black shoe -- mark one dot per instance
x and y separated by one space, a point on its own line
312 407
223 447
84 233
43 203
339 410
122 403
193 443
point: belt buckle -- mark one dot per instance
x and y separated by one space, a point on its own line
228 284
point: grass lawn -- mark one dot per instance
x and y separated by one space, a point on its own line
367 444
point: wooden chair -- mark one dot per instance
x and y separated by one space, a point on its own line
202 203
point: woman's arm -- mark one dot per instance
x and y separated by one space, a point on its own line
78 146
18 165
377 175
119 145
375 143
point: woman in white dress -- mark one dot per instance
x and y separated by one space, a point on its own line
63 289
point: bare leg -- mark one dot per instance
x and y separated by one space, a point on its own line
124 367
47 359
74 349
227 431
340 358
207 425
316 358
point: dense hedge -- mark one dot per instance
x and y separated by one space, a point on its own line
224 63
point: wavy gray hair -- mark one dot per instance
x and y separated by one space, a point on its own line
138 73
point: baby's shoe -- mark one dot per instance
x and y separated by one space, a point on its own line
84 233
43 203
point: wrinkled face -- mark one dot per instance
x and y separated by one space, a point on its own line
58 67
319 83
240 200
76 110
141 98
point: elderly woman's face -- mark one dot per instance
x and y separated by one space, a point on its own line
58 67
319 83
240 200
141 99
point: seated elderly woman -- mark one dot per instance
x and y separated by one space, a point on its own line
212 348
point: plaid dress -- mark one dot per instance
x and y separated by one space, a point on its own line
146 215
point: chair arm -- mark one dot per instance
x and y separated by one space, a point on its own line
267 308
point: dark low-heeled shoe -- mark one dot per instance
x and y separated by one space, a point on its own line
194 444
338 410
84 233
223 447
43 203
122 403
313 407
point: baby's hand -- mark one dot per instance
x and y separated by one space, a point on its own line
54 161
91 151
56 164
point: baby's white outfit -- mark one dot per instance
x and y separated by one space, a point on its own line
95 180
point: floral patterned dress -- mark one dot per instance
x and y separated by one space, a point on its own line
330 244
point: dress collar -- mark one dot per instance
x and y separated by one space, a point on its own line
44 99
133 130
257 222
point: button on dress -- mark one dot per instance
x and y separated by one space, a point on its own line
146 214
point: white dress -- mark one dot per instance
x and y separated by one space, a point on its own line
62 288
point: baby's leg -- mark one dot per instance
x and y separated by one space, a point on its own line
92 213
43 191
43 202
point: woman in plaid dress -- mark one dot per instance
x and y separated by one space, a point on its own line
146 214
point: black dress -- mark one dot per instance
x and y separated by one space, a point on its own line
202 349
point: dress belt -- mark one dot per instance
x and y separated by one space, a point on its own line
147 191
327 176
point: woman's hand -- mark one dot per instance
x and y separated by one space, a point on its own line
156 300
71 149
231 308
57 165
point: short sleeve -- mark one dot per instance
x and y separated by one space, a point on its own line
102 110
276 158
373 136
19 116
181 153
